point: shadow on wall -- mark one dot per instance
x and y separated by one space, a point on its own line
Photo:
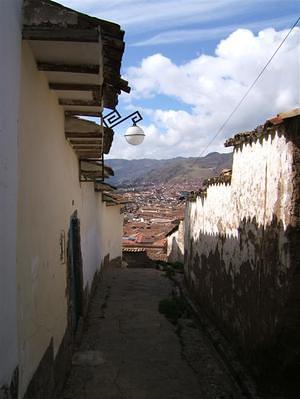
176 254
250 286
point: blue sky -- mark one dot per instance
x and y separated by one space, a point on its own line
190 61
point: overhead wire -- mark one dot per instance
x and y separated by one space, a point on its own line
249 89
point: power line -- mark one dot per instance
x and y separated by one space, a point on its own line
249 89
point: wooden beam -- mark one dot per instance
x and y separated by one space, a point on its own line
73 87
81 135
92 159
95 173
89 148
112 54
83 103
111 74
111 29
123 85
87 145
84 156
97 94
92 144
103 186
110 104
84 68
88 154
112 78
61 34
92 149
110 99
109 41
85 142
82 113
109 64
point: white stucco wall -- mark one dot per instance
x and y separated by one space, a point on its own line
261 186
175 245
10 51
49 193
112 228
237 245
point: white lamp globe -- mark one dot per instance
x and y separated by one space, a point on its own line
134 135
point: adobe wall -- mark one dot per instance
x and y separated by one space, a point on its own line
49 194
175 245
10 54
112 232
241 251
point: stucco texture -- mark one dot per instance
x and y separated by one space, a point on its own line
239 252
175 245
49 194
112 231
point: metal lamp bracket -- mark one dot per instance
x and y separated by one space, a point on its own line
114 118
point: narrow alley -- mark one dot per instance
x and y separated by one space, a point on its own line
149 199
130 350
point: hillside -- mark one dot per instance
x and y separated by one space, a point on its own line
140 171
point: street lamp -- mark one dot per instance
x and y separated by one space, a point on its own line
134 134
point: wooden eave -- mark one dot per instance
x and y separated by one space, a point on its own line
87 137
109 200
113 199
103 187
94 170
81 59
68 46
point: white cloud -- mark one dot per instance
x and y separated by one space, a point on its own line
212 86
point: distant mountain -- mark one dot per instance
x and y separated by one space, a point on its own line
140 171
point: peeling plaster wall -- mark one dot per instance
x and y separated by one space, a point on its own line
10 54
49 193
239 253
175 245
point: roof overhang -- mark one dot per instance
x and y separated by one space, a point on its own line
80 55
93 170
87 138
103 187
111 200
81 59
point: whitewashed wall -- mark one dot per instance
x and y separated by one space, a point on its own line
175 245
261 186
49 193
112 232
238 243
10 52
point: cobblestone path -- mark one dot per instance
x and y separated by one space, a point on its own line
131 351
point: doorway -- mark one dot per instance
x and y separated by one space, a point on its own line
75 275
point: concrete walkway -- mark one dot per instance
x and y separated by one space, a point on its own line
131 351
